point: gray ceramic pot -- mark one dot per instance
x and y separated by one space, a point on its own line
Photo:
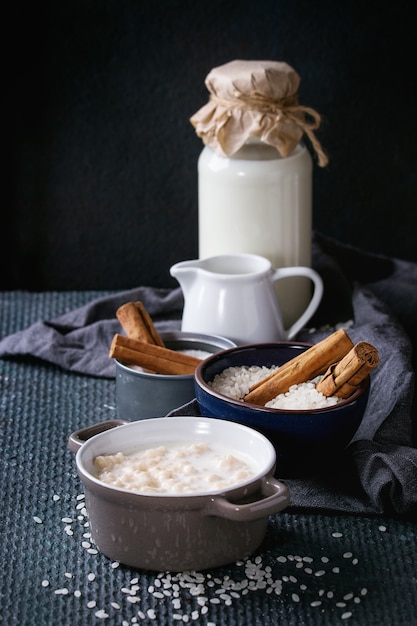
140 395
179 532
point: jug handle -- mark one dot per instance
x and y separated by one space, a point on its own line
286 272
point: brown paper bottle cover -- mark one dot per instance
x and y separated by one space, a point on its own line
255 99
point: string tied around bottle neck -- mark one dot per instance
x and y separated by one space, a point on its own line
288 108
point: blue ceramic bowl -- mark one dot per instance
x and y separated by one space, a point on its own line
297 435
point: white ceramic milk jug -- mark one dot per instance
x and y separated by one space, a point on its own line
233 295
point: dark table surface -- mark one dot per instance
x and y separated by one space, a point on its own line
312 568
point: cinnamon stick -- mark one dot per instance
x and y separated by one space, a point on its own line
342 378
137 323
307 365
151 357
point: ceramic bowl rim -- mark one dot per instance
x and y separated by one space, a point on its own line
249 406
264 471
174 336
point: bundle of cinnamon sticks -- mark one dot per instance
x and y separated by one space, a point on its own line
343 366
143 346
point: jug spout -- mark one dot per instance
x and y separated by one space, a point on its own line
185 272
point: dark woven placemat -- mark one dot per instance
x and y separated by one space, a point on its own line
310 569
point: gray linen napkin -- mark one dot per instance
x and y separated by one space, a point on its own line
378 471
79 341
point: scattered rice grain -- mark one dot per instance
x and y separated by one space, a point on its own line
200 586
133 599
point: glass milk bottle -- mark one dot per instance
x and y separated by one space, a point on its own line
255 173
259 202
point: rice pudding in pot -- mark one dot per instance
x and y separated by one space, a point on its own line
172 469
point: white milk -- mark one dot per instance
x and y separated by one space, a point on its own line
258 202
175 469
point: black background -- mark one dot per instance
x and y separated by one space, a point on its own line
104 158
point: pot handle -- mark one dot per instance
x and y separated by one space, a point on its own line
276 499
77 438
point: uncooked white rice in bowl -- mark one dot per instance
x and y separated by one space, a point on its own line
234 382
304 434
